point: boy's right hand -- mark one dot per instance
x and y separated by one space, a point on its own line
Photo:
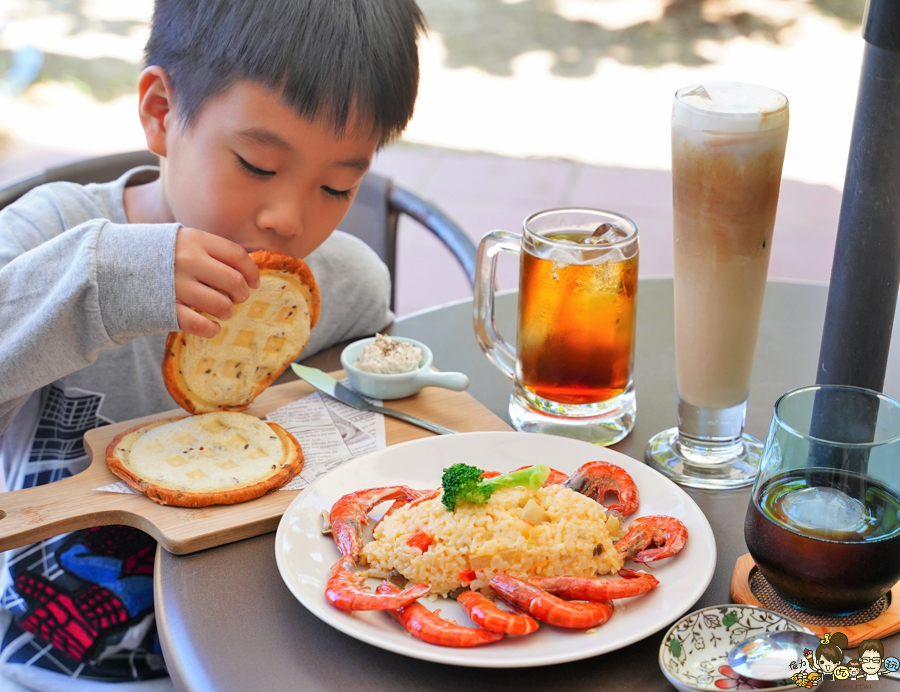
211 275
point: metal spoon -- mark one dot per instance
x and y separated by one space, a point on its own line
768 656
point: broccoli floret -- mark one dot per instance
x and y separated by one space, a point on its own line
464 483
460 483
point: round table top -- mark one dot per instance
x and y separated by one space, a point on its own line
228 622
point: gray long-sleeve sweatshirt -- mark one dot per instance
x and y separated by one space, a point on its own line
86 301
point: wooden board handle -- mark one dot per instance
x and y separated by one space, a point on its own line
33 514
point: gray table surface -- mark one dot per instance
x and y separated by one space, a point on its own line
228 622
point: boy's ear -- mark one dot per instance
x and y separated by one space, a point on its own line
155 107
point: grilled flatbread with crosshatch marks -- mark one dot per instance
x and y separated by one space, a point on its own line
216 458
254 346
220 457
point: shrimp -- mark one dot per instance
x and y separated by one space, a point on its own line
403 502
596 589
667 535
351 513
346 590
431 628
549 608
596 478
397 504
483 612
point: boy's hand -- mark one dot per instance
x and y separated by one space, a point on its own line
211 275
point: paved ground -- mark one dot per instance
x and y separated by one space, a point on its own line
524 104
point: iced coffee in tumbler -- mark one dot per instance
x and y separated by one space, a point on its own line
728 142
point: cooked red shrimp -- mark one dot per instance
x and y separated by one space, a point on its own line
667 535
484 613
426 495
596 478
433 629
351 513
597 588
346 590
547 607
397 504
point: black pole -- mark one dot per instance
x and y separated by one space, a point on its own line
865 273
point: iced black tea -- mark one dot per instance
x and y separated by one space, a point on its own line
576 324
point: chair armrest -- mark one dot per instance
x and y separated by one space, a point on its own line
449 232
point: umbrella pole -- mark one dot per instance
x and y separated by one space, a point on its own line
865 274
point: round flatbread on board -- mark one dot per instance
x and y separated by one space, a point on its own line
219 458
265 334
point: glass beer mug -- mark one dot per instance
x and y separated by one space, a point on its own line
572 368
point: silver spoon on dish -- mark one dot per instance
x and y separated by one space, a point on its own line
768 656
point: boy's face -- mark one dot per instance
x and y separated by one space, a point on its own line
251 170
870 661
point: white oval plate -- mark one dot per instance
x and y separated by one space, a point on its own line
304 555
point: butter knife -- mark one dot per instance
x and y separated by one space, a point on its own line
326 383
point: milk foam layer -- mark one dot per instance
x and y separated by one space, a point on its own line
729 107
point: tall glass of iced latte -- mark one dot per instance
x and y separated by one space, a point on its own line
728 142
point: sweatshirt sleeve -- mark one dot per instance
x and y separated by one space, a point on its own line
66 296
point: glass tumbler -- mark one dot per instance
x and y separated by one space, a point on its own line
728 143
823 523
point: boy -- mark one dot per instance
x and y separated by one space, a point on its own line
265 115
871 656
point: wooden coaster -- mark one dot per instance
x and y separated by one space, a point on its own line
882 618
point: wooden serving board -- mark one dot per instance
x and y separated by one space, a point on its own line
36 513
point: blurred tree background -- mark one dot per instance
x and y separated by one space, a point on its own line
485 34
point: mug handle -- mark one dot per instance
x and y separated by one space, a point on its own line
495 347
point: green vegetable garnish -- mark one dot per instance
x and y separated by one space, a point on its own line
464 483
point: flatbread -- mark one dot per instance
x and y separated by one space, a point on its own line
265 334
218 458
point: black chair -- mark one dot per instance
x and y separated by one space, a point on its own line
373 218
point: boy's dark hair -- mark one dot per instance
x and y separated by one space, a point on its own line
871 645
329 58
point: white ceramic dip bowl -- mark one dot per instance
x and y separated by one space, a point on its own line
398 385
694 653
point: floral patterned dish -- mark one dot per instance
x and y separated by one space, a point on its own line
694 653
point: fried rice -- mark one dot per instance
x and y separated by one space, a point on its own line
574 538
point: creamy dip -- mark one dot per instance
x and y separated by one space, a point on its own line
387 356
